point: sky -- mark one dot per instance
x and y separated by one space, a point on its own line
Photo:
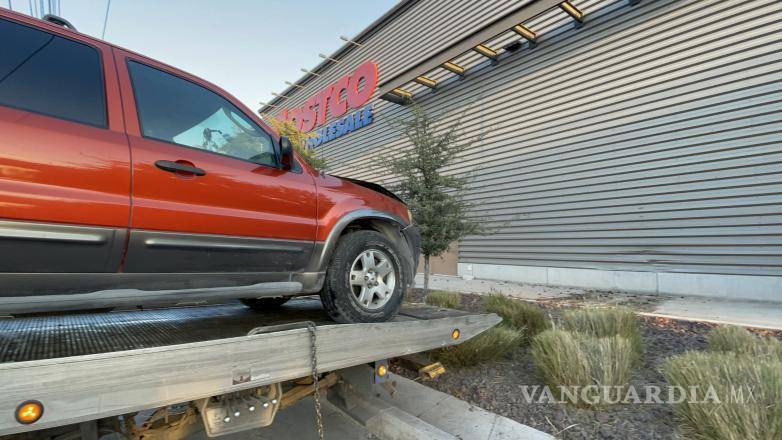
247 47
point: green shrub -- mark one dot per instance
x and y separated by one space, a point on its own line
604 322
447 300
731 338
567 359
748 389
519 314
491 344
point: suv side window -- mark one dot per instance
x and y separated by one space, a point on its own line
48 74
173 109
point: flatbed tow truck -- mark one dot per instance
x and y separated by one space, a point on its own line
90 373
220 208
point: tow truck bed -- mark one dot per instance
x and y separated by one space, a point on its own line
88 366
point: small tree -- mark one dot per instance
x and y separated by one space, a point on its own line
435 199
299 140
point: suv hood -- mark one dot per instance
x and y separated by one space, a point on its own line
373 186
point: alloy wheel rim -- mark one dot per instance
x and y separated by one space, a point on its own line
372 279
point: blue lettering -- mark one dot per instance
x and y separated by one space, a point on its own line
359 119
347 123
367 113
318 139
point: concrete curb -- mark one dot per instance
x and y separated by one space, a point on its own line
380 418
457 417
420 410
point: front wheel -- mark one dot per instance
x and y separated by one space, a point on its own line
365 281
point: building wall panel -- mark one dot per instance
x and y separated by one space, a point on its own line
648 140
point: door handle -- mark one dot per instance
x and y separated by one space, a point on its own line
176 167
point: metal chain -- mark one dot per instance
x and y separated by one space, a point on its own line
316 387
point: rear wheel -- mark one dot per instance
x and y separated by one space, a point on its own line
365 280
265 303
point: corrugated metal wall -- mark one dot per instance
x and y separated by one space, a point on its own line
648 140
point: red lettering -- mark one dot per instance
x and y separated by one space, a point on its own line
308 115
367 72
329 102
295 116
322 99
339 106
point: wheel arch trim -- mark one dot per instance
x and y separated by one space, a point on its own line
320 260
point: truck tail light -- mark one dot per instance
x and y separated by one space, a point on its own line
29 412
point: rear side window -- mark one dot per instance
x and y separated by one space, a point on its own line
52 75
176 110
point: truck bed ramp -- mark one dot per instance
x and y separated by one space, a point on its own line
87 366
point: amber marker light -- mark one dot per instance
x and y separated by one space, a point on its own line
455 334
455 68
485 51
424 81
382 370
29 412
572 11
403 93
525 32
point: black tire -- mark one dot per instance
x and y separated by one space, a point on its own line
337 295
262 304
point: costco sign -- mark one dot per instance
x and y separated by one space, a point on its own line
348 93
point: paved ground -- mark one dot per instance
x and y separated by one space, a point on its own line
747 313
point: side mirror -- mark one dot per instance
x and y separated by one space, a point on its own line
286 153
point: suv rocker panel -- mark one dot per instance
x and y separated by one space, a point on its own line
27 292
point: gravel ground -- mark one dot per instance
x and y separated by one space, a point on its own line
496 385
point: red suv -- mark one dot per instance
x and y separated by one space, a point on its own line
125 181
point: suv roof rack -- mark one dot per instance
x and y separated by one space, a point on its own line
59 21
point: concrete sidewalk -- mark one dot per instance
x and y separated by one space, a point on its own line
693 308
745 313
517 290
